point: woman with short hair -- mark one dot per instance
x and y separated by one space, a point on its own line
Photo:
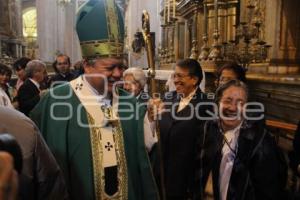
134 82
5 75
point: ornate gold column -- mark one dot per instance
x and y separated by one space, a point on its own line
205 48
194 50
215 53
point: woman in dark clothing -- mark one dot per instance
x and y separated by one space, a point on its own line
295 161
244 159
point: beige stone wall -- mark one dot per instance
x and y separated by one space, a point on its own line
4 20
11 18
283 33
133 23
56 30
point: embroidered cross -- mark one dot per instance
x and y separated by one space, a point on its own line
106 111
78 86
108 146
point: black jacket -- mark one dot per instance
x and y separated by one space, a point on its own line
255 173
28 97
295 154
58 79
179 141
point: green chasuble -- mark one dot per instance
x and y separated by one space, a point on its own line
68 130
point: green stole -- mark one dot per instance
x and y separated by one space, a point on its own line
66 127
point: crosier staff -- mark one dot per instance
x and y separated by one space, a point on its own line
153 90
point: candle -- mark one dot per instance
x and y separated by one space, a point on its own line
174 9
165 11
205 18
216 14
169 5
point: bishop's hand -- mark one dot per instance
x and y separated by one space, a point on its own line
155 109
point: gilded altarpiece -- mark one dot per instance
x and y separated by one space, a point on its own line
4 20
289 45
10 31
273 69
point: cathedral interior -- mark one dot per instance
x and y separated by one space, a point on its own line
262 35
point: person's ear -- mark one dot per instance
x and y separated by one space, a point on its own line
195 80
87 67
217 83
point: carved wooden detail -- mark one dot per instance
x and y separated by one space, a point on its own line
10 31
281 100
4 20
290 30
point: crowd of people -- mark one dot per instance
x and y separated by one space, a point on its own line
33 81
94 132
199 135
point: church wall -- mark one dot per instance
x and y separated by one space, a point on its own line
277 83
28 4
56 28
133 23
4 25
10 31
281 99
10 22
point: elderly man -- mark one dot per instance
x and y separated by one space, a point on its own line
95 130
134 82
29 93
246 163
61 67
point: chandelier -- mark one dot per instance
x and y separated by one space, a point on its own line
247 47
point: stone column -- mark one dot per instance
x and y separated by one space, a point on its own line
71 41
56 30
47 29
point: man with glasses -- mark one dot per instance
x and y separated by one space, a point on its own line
94 128
180 129
61 67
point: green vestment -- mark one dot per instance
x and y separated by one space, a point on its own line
58 115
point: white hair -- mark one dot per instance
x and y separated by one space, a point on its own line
34 66
138 75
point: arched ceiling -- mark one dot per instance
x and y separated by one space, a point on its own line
28 4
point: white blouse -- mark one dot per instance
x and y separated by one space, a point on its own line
228 156
4 99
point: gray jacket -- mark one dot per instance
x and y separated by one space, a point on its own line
41 177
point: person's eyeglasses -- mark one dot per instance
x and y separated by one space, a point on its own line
231 102
180 76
